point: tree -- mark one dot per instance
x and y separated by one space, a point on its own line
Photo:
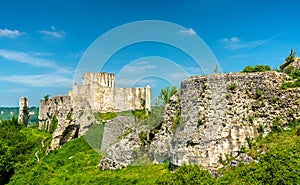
46 97
289 59
166 94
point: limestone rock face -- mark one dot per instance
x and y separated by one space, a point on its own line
114 129
211 117
127 150
23 111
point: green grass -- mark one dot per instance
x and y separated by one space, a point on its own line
75 163
295 76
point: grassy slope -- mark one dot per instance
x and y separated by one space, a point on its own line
75 163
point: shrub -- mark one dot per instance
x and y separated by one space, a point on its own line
257 68
106 116
288 60
251 118
200 122
232 86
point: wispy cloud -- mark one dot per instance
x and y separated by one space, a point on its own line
189 31
10 33
33 60
235 43
139 68
53 32
41 80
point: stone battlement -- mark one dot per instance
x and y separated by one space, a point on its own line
102 79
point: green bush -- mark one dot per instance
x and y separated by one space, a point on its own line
232 86
187 174
106 116
257 68
288 60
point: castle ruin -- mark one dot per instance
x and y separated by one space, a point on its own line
74 112
23 111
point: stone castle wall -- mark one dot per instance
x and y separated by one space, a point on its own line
75 111
215 116
59 106
219 113
98 89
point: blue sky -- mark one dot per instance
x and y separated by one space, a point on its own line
42 42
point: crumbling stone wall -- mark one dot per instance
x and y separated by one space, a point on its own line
213 116
219 112
58 106
75 111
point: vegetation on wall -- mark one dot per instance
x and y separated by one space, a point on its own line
257 68
288 60
166 94
293 82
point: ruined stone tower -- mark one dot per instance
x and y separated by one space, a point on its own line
98 89
23 111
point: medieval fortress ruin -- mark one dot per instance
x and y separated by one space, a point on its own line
75 112
209 118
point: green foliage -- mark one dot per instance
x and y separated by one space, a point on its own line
257 68
251 118
106 115
53 124
232 86
166 94
261 128
17 144
289 59
46 97
258 93
187 174
249 141
175 121
140 114
295 76
276 126
7 113
200 122
75 161
279 165
94 136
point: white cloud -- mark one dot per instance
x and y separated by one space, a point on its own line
10 33
33 60
244 45
234 43
231 40
139 68
53 32
41 80
189 31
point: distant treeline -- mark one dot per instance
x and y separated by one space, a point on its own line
7 113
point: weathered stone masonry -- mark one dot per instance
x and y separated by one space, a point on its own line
75 111
215 115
